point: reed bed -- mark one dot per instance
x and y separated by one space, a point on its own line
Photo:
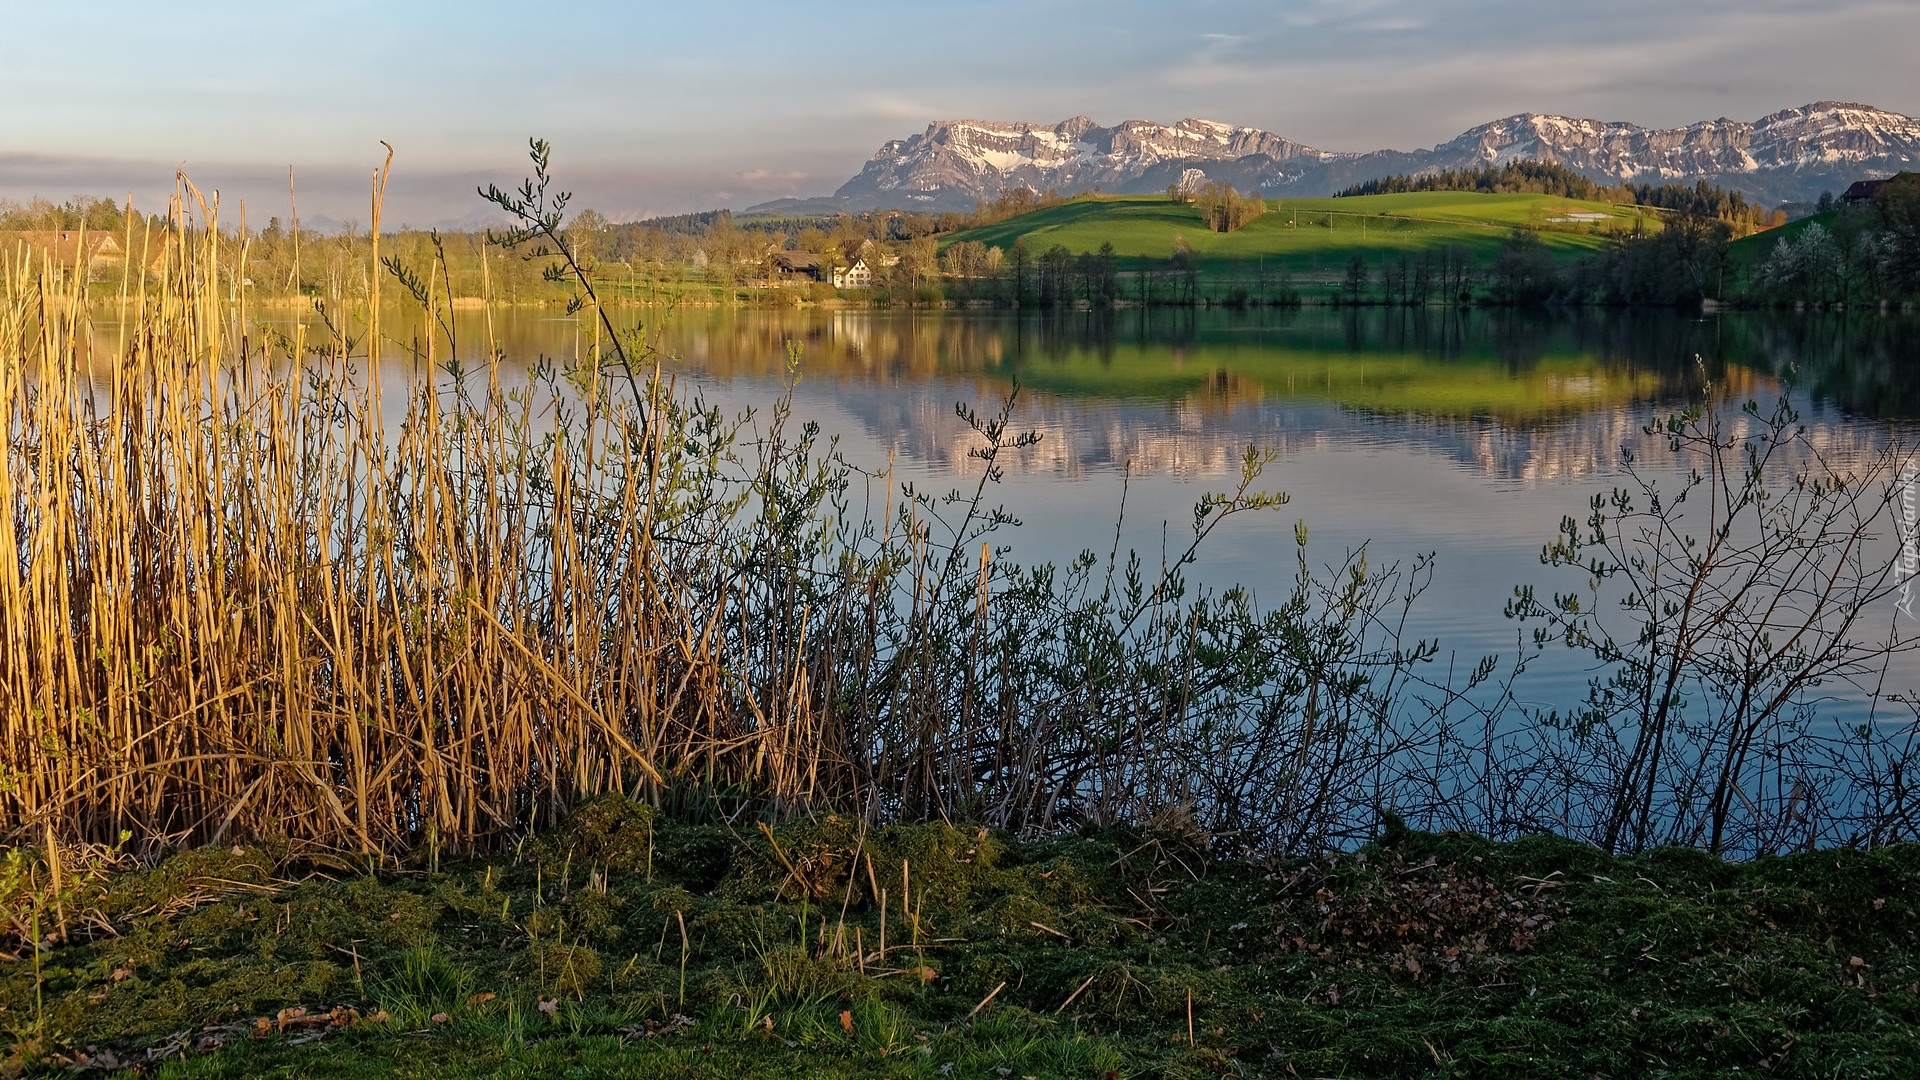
248 603
251 589
259 586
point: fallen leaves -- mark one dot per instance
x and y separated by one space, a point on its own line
1422 911
307 1024
651 1028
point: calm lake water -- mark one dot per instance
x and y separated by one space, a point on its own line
1467 435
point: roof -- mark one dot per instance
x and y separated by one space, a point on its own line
1862 191
63 244
797 260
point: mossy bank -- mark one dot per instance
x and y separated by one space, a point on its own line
626 944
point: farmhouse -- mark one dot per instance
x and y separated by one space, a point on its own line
857 276
796 264
1862 191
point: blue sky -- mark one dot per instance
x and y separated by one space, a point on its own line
657 107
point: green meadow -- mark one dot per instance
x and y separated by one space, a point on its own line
1314 239
1748 252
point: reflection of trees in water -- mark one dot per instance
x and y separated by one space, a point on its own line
899 373
1863 362
731 341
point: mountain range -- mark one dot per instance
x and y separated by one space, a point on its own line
1791 156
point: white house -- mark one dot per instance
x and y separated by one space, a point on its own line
857 276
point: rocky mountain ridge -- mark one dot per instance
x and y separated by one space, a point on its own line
1791 155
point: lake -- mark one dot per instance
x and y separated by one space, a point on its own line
1464 434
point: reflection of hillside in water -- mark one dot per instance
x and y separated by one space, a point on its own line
1863 362
1080 438
1504 395
1185 394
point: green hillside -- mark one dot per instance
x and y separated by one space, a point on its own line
1750 251
1313 239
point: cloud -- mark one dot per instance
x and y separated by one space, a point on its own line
1393 26
895 107
1416 88
645 104
444 198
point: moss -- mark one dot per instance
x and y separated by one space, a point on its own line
612 833
1420 955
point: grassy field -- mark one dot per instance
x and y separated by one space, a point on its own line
625 944
1313 239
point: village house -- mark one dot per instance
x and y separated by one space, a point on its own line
857 276
789 265
66 248
877 257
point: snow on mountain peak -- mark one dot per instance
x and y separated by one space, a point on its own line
1791 154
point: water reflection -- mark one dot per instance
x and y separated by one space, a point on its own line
1467 434
1464 434
1508 396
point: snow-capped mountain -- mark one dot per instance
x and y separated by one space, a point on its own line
1791 155
971 159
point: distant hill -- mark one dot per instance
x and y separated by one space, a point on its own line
1312 240
1790 156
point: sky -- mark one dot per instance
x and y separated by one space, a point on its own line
657 108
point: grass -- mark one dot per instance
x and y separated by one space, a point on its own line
1312 239
819 948
1747 253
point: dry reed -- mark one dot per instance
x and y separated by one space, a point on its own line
239 600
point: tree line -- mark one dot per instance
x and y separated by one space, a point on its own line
1550 178
1851 254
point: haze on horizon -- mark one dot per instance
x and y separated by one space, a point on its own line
665 108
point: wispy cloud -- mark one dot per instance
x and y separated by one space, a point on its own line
903 108
1392 26
652 111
